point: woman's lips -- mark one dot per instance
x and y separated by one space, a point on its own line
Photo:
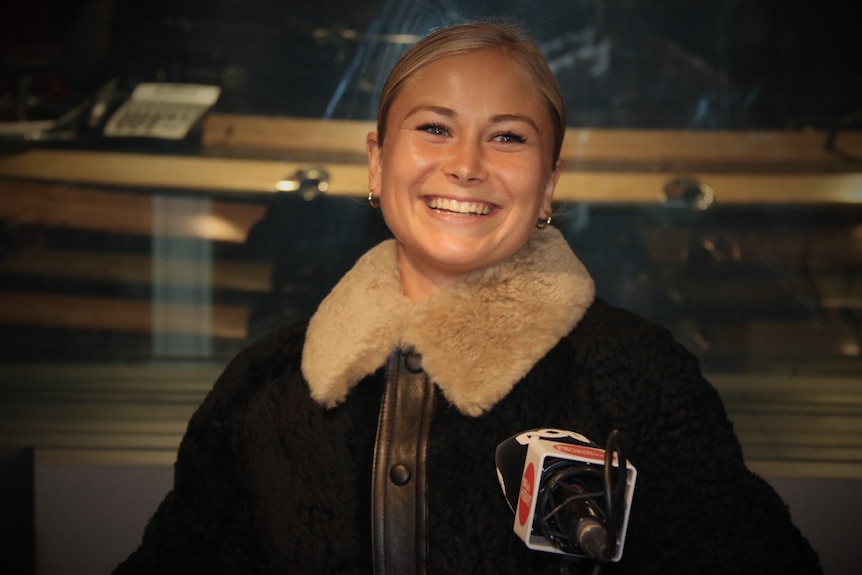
458 207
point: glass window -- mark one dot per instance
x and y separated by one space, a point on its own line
712 184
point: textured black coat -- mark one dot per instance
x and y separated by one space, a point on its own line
268 481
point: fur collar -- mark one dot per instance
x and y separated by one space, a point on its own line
477 338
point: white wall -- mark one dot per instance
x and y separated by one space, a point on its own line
90 518
829 513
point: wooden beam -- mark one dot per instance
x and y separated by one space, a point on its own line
64 206
756 341
165 173
131 269
207 176
782 344
297 135
817 248
580 146
120 315
729 189
742 149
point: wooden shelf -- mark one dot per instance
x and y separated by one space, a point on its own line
226 176
644 150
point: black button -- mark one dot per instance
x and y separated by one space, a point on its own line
413 362
399 474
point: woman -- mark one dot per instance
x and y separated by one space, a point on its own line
364 441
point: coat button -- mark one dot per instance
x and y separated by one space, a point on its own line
399 474
413 362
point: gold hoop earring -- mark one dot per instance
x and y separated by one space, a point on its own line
373 200
542 224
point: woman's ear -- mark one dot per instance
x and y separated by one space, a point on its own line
551 185
372 147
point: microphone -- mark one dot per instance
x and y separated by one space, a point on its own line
569 495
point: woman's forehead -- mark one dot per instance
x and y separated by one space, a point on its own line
488 73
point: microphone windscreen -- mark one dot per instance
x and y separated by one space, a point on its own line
538 469
510 457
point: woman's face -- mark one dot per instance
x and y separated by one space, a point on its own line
465 169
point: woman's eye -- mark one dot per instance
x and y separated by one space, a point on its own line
434 129
510 138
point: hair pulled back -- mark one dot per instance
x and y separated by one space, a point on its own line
473 37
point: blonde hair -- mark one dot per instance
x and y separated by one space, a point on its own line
472 37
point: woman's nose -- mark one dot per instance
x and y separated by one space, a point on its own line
466 164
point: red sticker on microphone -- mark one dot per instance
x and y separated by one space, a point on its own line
581 451
525 496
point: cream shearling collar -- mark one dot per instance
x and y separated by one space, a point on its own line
477 338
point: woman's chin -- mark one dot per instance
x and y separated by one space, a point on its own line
461 258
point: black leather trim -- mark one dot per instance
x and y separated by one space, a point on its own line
398 481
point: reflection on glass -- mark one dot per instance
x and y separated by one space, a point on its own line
121 257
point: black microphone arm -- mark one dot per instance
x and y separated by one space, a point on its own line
569 495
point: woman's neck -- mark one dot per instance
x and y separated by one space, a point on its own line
416 282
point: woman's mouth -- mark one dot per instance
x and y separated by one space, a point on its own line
456 207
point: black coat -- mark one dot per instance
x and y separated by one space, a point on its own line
269 481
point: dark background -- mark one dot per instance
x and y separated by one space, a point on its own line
681 64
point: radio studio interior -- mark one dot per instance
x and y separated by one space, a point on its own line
179 178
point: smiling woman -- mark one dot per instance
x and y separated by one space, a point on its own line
474 324
465 172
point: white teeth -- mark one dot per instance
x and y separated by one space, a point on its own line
456 207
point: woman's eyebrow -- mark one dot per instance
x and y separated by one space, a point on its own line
442 110
516 118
